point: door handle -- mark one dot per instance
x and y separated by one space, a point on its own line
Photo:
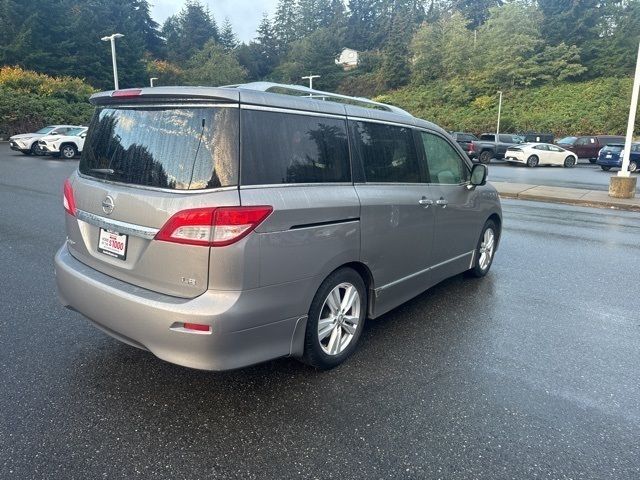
442 203
425 202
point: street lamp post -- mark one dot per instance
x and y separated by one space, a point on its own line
112 39
152 79
499 113
623 185
310 78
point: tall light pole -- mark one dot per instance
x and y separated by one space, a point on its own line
152 79
624 171
623 185
499 113
310 78
112 39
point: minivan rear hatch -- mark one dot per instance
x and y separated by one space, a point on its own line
141 164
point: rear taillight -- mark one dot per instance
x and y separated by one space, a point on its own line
472 148
212 227
67 199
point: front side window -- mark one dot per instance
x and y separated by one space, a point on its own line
445 165
387 153
285 148
179 148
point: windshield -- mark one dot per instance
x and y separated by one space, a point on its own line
179 148
568 140
45 130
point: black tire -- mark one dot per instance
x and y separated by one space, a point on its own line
314 354
633 165
532 161
592 160
605 168
68 151
569 162
485 157
478 271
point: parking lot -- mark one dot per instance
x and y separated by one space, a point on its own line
529 373
584 175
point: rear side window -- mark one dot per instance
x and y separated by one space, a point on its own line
387 153
285 148
184 148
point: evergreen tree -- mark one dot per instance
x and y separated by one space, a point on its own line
477 11
187 32
285 24
395 70
228 38
263 52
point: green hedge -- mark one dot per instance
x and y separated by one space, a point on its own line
30 100
595 107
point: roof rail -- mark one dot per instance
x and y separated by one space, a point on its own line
301 91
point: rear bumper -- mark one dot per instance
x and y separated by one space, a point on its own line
515 158
143 318
609 162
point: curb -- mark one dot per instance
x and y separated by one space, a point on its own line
570 196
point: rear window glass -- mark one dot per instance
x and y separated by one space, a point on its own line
613 148
184 148
285 148
387 153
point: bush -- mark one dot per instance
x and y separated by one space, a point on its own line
30 100
582 108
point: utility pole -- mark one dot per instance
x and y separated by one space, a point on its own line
499 113
623 185
152 79
310 78
112 39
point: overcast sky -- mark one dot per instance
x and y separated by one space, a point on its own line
245 15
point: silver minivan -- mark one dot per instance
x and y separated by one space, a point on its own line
222 227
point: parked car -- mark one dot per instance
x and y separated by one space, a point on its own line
486 147
464 139
611 157
67 145
27 143
588 146
534 154
221 227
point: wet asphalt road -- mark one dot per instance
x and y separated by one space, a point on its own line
529 373
584 175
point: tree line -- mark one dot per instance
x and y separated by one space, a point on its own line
466 48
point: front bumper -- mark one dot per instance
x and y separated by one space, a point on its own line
143 318
18 147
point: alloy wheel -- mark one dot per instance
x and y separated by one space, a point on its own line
339 318
487 248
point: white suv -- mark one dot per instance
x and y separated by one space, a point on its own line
67 146
27 143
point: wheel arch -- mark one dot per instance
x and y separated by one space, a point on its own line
497 219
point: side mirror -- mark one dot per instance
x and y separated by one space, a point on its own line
83 135
53 133
479 174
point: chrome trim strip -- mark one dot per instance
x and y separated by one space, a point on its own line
120 227
247 106
155 189
386 122
276 185
409 277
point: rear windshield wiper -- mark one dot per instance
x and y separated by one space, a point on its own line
106 171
